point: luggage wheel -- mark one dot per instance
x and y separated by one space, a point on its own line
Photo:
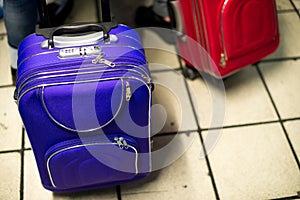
190 72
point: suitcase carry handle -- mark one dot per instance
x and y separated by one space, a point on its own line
44 28
75 29
102 9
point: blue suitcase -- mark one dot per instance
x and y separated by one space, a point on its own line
85 103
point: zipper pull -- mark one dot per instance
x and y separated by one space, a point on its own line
100 59
128 91
146 78
223 60
121 142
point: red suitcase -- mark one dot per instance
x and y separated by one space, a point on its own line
234 33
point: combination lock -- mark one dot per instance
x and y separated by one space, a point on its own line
80 51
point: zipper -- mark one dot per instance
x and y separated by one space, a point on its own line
128 91
21 94
275 17
223 60
77 142
135 69
51 52
100 59
223 56
121 142
50 66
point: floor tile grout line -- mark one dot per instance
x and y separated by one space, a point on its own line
279 59
22 166
11 151
279 117
165 70
290 119
209 166
286 198
295 8
174 133
252 124
7 86
286 11
242 125
200 135
14 151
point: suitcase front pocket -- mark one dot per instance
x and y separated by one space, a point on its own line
79 163
246 26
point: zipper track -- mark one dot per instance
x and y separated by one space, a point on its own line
87 145
77 63
102 47
47 75
222 30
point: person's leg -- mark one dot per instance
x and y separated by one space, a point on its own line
154 16
1 9
59 10
160 8
20 18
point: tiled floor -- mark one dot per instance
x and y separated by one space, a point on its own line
255 155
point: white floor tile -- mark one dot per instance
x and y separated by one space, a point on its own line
5 75
161 60
283 5
174 107
10 176
283 81
10 121
160 55
293 130
27 142
187 178
297 3
246 101
33 188
254 163
289 28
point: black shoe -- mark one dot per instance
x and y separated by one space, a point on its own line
146 17
13 75
59 11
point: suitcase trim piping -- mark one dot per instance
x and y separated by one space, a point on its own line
57 51
86 130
